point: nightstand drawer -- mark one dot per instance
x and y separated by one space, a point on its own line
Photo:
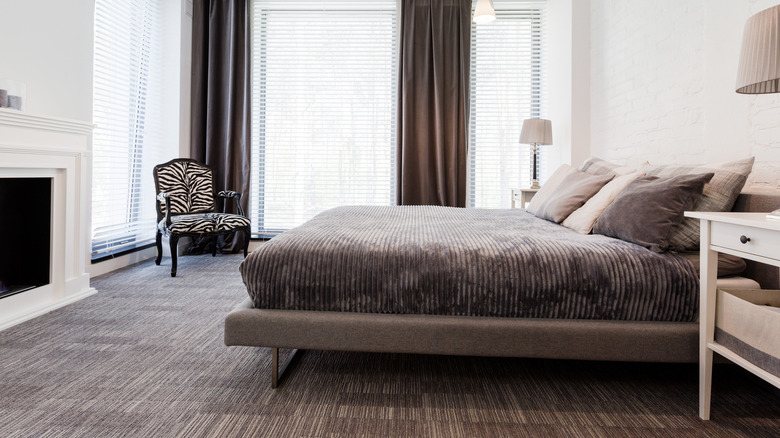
762 242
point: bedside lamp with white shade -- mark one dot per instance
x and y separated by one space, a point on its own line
536 132
759 60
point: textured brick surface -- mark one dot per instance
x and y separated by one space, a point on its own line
662 88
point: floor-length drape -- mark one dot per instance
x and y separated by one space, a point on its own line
221 97
433 102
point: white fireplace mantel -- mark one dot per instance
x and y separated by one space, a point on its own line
37 146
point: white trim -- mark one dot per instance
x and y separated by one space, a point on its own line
46 309
17 118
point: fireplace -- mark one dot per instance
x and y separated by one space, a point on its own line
25 234
44 236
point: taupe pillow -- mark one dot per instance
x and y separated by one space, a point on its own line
646 211
719 195
549 187
571 194
728 264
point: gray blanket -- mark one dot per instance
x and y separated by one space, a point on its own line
455 261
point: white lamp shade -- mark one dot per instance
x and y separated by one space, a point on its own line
759 60
536 131
484 12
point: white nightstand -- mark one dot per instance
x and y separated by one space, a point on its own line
747 235
522 196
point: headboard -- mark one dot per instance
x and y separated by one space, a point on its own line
766 275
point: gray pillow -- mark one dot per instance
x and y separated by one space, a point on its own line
646 211
571 194
719 195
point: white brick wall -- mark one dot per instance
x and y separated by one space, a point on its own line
662 86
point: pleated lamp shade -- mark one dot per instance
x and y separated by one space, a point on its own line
536 131
759 60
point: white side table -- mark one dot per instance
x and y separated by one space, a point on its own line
747 235
522 196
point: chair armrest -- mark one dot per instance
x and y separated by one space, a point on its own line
236 196
162 196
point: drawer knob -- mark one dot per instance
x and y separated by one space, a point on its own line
744 239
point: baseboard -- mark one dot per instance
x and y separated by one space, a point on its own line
113 264
46 309
132 258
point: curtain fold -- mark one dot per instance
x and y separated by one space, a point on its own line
221 99
433 102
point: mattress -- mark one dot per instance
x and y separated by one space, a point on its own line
467 262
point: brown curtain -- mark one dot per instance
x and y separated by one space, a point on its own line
221 98
433 102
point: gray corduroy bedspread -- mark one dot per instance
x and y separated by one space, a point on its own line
473 262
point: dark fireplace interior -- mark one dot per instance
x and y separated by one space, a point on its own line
25 234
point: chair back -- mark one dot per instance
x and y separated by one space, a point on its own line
189 183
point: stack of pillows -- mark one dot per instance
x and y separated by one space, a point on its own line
643 206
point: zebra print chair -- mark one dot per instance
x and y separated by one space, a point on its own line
185 206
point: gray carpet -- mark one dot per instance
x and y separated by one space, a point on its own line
144 357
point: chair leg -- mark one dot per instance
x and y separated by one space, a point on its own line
174 240
246 242
159 248
215 241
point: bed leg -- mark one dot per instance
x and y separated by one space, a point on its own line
276 372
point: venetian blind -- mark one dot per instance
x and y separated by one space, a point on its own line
323 108
508 85
127 140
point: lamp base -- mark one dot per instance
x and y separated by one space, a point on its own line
535 184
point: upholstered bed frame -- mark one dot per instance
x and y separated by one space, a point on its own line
481 336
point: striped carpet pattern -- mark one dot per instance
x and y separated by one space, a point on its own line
144 357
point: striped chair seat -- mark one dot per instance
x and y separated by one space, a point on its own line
188 223
227 222
204 223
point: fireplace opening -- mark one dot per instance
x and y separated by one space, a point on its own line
25 234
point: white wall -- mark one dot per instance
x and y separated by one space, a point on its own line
569 81
48 45
662 75
184 39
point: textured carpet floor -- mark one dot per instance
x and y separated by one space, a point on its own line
144 357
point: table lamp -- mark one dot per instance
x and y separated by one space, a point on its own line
536 132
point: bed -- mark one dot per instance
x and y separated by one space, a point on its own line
495 292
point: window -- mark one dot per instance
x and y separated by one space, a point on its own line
127 111
508 64
323 108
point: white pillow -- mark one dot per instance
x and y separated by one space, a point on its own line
597 166
582 219
548 189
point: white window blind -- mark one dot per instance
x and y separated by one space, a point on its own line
323 108
127 140
508 85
